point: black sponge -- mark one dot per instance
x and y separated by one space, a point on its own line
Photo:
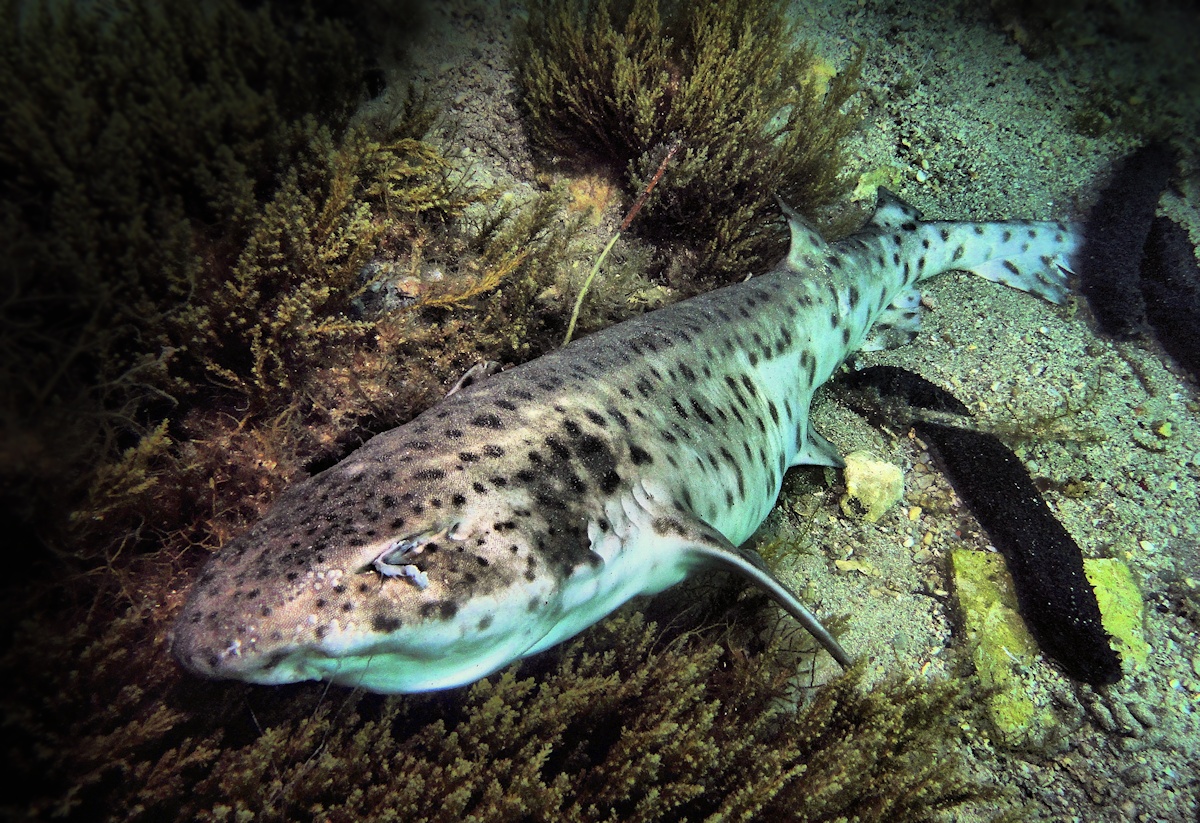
1114 235
1055 598
1171 287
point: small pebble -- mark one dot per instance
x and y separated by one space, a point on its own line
1143 714
1125 720
1135 774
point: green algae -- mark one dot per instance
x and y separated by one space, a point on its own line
1121 608
1005 654
1002 649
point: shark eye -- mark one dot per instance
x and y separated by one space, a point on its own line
397 552
396 561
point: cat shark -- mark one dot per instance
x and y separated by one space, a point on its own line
528 505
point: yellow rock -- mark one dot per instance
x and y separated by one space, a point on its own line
874 485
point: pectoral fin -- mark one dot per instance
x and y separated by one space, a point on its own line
706 547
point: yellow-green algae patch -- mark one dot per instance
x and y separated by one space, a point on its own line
1003 651
1121 609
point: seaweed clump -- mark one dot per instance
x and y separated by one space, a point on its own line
754 115
189 203
611 728
141 145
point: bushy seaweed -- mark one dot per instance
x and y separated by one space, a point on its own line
189 205
618 726
141 141
754 112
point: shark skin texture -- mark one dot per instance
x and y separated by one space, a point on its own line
531 503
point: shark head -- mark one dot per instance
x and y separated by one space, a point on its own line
397 570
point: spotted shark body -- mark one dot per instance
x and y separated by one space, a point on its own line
525 507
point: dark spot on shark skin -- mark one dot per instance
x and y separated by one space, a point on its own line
959 251
610 482
665 526
621 419
386 624
487 421
594 448
454 434
444 609
639 456
429 474
558 447
595 417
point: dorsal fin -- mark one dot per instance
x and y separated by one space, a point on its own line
891 211
808 248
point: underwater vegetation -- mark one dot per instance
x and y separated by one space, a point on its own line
189 205
621 725
754 113
140 145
